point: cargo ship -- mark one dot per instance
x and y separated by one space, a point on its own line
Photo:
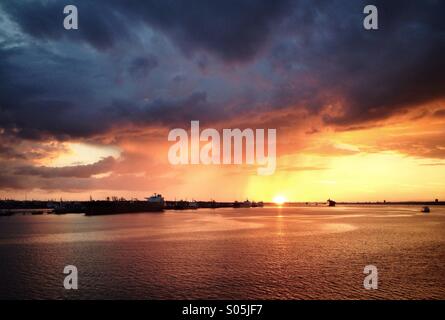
154 203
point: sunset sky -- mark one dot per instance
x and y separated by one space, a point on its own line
360 115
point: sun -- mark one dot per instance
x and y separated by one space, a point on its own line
279 199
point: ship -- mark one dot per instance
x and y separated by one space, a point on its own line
157 199
331 203
154 203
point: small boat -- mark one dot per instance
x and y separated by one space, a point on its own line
331 203
426 210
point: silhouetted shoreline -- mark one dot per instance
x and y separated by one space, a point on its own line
429 203
105 207
114 206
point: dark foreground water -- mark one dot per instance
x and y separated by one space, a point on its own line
258 253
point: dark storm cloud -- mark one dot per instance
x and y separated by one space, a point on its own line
43 119
312 54
63 121
101 27
233 29
372 75
165 63
140 67
40 98
166 112
173 112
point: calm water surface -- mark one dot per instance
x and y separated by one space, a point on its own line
257 253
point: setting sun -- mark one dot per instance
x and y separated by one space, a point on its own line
279 199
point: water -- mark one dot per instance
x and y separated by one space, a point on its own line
257 253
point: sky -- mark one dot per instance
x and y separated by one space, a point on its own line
359 114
